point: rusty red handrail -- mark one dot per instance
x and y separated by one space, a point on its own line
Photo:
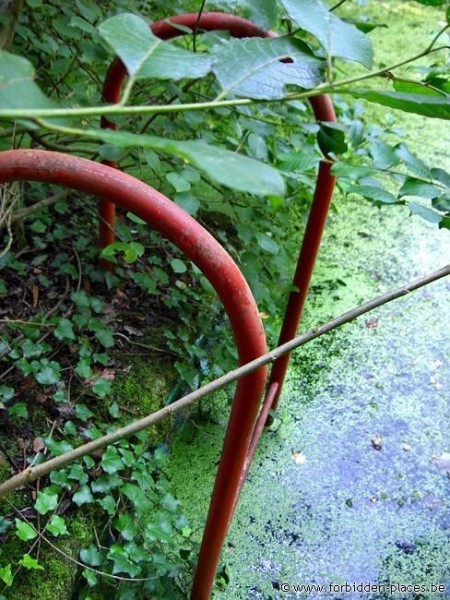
217 265
323 111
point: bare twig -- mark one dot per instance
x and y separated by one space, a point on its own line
31 474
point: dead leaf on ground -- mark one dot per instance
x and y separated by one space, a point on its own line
442 461
299 458
38 444
376 442
372 323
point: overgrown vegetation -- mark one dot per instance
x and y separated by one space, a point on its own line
68 327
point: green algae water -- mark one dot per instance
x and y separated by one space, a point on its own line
352 488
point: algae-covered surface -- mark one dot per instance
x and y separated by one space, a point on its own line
353 486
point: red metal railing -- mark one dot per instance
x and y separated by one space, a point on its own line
323 111
199 246
245 425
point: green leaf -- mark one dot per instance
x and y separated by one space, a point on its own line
64 330
415 187
426 213
228 168
337 37
49 374
145 55
111 460
19 410
121 562
56 447
179 183
127 526
331 139
442 176
45 502
374 193
140 500
383 155
415 165
29 562
108 504
91 556
83 496
57 526
178 265
105 337
91 578
6 575
6 393
435 107
102 387
24 531
84 369
263 12
105 483
83 412
17 88
251 67
268 244
432 2
131 251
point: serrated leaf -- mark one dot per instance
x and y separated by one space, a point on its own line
337 37
374 193
435 107
45 502
426 213
17 86
145 55
331 139
228 168
415 165
83 496
251 67
24 531
29 562
415 187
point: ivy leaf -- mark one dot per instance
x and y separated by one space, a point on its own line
228 168
145 55
64 330
121 562
91 556
337 37
178 265
29 562
57 526
17 86
24 531
102 387
435 107
108 504
127 526
45 502
49 374
83 496
111 460
6 575
251 67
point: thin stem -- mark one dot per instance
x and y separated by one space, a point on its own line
119 109
195 32
338 5
31 474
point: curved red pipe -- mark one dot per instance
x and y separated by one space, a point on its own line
199 246
323 111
